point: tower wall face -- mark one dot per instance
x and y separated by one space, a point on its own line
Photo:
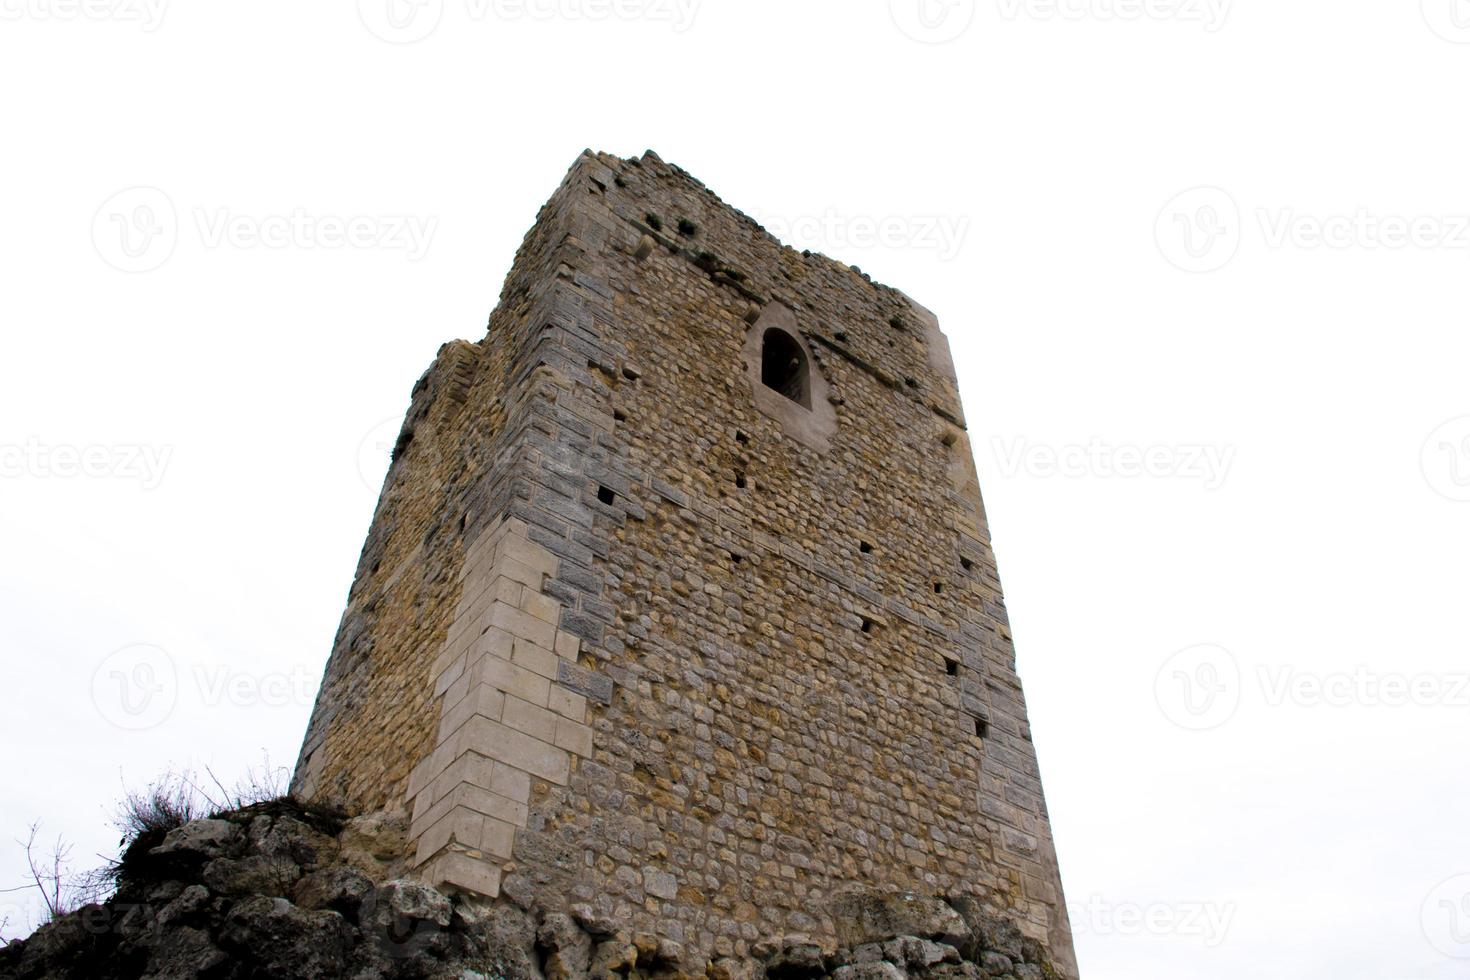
634 630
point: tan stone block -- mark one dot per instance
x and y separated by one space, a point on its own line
515 749
456 692
448 674
574 737
426 771
522 624
463 872
511 783
568 645
501 675
544 608
528 553
459 824
534 658
496 643
483 700
520 572
489 804
498 838
507 590
470 768
529 718
568 704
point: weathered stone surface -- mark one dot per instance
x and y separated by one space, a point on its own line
866 917
254 874
198 840
989 933
878 970
567 947
339 888
918 954
285 941
185 953
797 961
504 943
612 957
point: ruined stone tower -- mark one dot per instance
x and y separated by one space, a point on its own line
679 600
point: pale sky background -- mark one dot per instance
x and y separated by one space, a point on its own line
1118 212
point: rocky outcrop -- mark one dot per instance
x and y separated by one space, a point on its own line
281 891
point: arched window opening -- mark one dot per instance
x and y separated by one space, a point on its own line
784 367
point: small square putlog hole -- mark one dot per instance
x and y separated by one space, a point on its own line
606 495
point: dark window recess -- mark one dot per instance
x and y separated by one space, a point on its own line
952 668
938 588
982 728
784 367
740 480
736 559
967 564
865 548
742 438
868 625
619 416
606 495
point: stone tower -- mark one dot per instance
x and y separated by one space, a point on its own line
679 600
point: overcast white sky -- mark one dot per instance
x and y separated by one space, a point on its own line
1203 266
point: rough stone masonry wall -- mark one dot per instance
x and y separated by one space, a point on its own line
651 641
